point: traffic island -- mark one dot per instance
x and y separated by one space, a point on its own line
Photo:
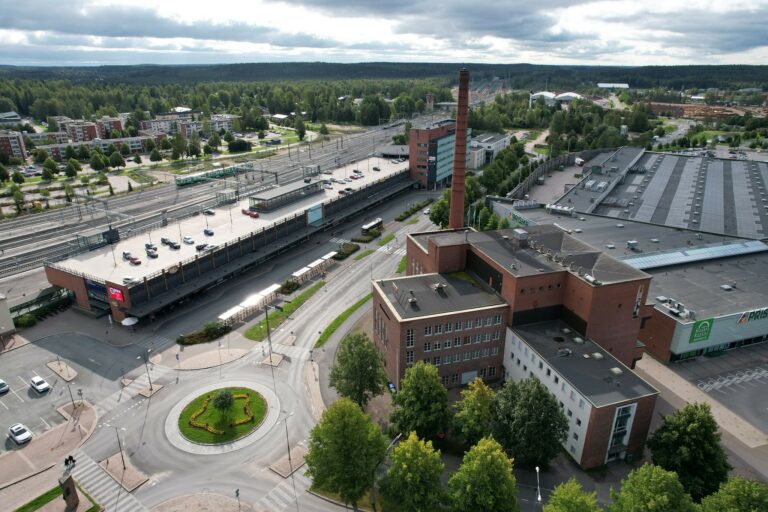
148 392
222 415
63 370
286 466
273 360
123 472
207 502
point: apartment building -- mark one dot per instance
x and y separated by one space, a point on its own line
82 131
108 125
12 144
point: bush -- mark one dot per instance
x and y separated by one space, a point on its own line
209 332
345 251
26 320
413 209
364 239
289 287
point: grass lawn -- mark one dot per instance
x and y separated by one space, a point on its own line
138 176
401 265
412 221
363 254
384 241
53 494
333 326
222 421
258 331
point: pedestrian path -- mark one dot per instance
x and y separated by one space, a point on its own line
102 487
123 396
291 351
281 496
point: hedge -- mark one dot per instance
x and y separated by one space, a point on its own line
345 251
413 209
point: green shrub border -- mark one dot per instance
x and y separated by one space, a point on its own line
363 254
413 209
345 251
336 323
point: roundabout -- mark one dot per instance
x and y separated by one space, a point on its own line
254 411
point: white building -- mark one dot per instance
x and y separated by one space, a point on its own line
484 148
549 98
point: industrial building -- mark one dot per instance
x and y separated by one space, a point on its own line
431 152
484 148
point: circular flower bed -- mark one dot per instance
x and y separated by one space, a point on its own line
201 422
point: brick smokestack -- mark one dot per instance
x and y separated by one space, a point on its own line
456 217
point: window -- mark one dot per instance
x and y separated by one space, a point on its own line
581 403
495 351
488 320
439 329
573 395
438 345
457 341
496 335
428 330
497 320
409 357
573 450
436 360
447 343
541 365
468 324
576 436
454 378
483 372
467 355
487 336
479 321
562 387
570 413
445 380
467 340
578 422
557 379
427 360
458 325
409 338
456 357
485 352
549 372
427 346
518 361
448 327
476 354
478 338
491 371
525 368
522 291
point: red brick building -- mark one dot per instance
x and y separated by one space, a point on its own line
106 126
12 144
82 131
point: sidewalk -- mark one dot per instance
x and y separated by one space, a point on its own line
48 449
226 349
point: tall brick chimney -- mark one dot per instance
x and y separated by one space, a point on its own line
456 216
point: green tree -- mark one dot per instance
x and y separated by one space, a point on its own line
484 481
439 212
70 170
214 140
737 494
97 163
116 160
155 156
18 200
228 137
207 149
298 125
165 144
421 406
40 156
357 373
344 449
528 422
124 150
137 158
51 165
4 175
75 164
175 155
323 129
17 178
413 479
688 443
651 489
83 153
69 152
223 401
472 415
570 497
47 174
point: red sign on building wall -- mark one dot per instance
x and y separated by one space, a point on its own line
116 293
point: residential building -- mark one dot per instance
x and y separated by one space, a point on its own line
223 121
12 144
59 137
82 131
168 126
484 148
107 125
156 135
135 145
188 128
431 149
9 119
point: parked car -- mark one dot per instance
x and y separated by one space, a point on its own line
3 387
376 169
392 388
349 189
208 211
126 255
342 192
174 245
151 253
201 247
246 211
165 241
39 384
357 171
347 180
253 215
426 212
134 260
188 240
208 232
151 247
19 433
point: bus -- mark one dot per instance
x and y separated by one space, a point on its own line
374 224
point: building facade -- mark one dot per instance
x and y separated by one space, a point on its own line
167 126
59 137
484 148
223 122
106 126
431 150
9 119
82 131
12 144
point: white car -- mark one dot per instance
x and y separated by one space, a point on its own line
39 384
188 240
3 387
426 212
19 433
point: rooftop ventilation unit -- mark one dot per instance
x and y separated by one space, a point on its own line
597 355
726 287
566 330
585 356
662 299
564 352
438 287
616 371
577 340
412 300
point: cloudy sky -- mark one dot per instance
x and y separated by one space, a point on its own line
93 32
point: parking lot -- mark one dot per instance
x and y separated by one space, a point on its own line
737 379
96 378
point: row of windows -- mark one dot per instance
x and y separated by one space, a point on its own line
454 358
482 373
429 330
541 288
556 378
457 341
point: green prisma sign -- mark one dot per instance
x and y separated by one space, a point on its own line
701 330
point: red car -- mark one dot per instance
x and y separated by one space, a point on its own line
134 260
253 215
246 212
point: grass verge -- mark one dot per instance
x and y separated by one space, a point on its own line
41 500
225 422
258 331
412 221
333 326
401 265
384 241
363 254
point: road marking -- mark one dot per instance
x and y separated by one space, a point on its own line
3 404
47 425
94 361
17 395
22 380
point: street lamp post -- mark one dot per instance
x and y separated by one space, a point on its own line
119 444
146 365
290 462
538 486
373 482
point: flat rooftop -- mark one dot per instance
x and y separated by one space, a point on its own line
274 193
586 366
227 224
549 249
698 286
436 294
710 194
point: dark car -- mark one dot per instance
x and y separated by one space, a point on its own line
201 247
165 241
174 245
208 211
349 189
150 247
208 232
151 253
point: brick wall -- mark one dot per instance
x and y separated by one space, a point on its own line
70 282
657 335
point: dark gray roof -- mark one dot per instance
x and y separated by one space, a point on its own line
285 189
452 294
591 376
550 249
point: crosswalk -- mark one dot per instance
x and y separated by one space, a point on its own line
291 351
339 241
281 496
124 396
102 487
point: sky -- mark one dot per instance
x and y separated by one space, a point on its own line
647 32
